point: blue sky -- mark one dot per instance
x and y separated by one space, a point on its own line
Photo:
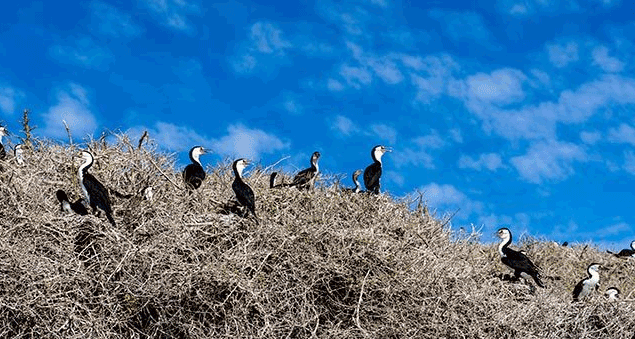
518 112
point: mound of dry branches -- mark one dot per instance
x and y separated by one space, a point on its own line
321 263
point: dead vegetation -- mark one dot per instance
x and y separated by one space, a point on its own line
321 263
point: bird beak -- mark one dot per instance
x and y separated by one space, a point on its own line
388 149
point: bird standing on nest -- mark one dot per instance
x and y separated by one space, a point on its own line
372 173
244 193
194 174
95 194
517 261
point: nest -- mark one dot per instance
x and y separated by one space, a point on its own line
321 263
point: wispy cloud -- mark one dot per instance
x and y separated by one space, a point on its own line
549 161
590 137
385 132
464 27
265 40
447 198
83 52
73 107
110 21
625 133
344 125
561 55
488 161
174 13
607 63
9 97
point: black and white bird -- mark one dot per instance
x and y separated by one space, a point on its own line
70 207
194 174
372 173
516 260
626 252
18 153
244 193
587 285
3 133
613 293
272 179
95 194
305 179
357 187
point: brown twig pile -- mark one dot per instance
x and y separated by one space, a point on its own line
321 263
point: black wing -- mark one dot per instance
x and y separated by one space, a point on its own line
98 195
79 208
578 289
245 195
193 175
372 174
3 153
520 263
625 253
303 178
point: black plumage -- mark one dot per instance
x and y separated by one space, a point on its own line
306 177
272 180
587 285
94 192
244 193
357 187
627 252
194 174
372 173
3 152
69 207
516 260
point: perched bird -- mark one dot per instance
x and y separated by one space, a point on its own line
372 173
3 153
95 194
357 188
613 293
516 260
587 285
147 193
626 252
69 207
194 174
272 179
244 193
305 179
18 153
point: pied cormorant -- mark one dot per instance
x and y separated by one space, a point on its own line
3 153
95 194
372 173
587 285
18 153
272 179
613 293
626 252
194 174
357 188
69 207
244 193
516 260
306 177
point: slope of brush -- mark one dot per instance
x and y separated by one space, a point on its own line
321 263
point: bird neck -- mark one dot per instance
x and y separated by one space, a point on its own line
195 157
238 172
314 164
504 243
594 277
377 157
633 245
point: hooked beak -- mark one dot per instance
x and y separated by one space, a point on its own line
388 149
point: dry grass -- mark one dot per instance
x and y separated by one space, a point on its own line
320 264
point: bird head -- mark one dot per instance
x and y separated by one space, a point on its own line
504 233
240 164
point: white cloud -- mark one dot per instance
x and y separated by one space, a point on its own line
562 55
456 136
385 132
84 52
173 13
463 27
489 161
246 142
344 125
503 86
629 162
9 97
433 75
410 156
430 141
550 160
334 85
355 76
623 134
590 138
607 63
110 21
73 107
268 39
239 141
448 198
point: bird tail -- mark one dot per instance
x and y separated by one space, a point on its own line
538 281
110 218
